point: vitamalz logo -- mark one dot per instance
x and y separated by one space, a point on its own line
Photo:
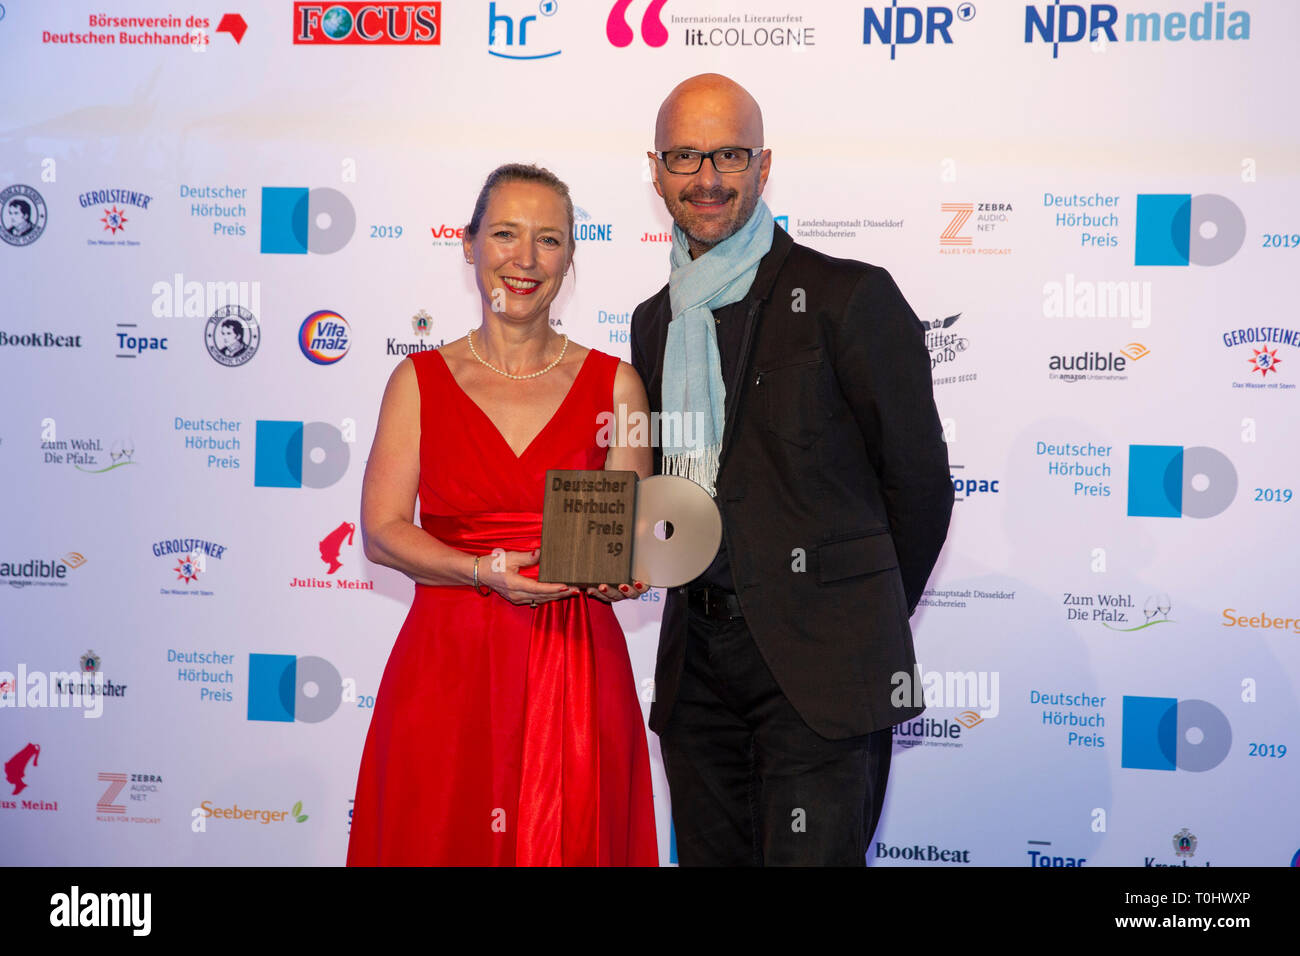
368 24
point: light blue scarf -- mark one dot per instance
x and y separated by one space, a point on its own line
693 393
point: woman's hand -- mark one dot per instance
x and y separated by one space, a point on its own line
513 586
610 593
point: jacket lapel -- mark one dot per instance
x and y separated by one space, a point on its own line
759 292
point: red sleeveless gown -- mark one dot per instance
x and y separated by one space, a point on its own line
503 735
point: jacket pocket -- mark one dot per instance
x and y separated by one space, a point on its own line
791 391
855 555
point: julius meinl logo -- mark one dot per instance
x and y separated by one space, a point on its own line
1257 356
331 549
896 26
16 771
1098 23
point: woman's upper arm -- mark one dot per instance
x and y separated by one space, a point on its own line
632 415
393 470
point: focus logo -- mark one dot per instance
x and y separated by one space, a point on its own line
1175 229
368 24
285 688
1170 481
297 220
299 454
1162 733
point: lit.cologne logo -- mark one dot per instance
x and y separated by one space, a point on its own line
653 31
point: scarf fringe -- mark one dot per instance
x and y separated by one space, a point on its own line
699 465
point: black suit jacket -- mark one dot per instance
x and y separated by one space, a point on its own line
833 485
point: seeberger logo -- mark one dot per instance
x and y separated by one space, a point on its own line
368 24
1260 621
236 812
1059 23
1170 481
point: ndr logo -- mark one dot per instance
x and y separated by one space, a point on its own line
297 220
301 454
1175 229
1170 481
1162 733
503 30
906 25
285 688
1071 22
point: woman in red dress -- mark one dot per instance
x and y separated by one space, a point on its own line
507 728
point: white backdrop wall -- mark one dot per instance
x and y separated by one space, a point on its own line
1129 614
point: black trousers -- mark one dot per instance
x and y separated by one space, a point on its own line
751 784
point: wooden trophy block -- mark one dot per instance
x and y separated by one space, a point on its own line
588 518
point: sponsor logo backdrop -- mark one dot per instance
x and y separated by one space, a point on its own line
223 226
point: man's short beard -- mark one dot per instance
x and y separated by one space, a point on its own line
743 217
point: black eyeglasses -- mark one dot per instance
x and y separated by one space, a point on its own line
725 159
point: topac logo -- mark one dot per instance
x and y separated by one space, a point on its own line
653 31
297 220
1162 733
286 455
324 337
897 25
285 688
1174 229
367 24
502 32
1170 481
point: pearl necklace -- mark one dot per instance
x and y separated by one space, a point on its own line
474 353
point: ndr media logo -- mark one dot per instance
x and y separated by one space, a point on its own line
1170 481
298 220
509 32
1058 23
285 688
1163 733
1177 229
902 26
301 454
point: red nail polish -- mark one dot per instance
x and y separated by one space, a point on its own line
623 588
